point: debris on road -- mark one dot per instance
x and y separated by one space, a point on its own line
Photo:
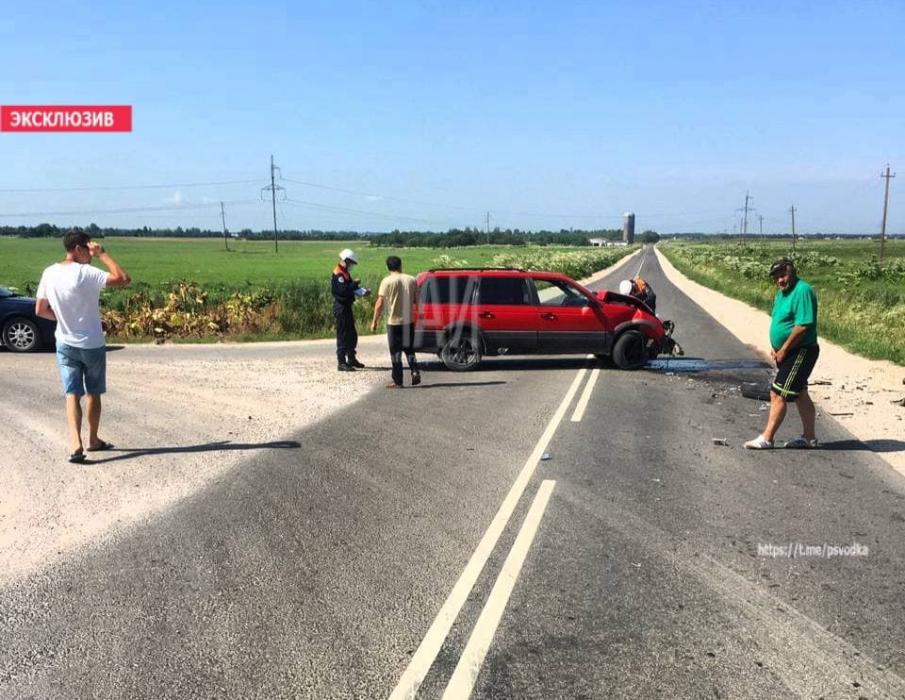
545 456
752 390
899 402
842 413
721 441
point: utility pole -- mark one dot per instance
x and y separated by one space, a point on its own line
487 224
760 220
792 212
744 221
273 198
888 177
745 224
223 217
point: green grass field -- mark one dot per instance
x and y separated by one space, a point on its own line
861 303
156 261
191 289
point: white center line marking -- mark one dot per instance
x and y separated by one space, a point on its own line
463 678
427 651
585 396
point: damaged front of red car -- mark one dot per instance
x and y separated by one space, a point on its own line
629 314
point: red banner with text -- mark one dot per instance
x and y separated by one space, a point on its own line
92 118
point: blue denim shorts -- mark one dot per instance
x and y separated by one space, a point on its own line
83 371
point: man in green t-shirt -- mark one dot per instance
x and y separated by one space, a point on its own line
793 337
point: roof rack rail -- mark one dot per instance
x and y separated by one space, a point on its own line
469 268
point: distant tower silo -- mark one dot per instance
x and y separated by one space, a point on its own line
628 228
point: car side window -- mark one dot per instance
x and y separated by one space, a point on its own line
559 293
453 289
505 291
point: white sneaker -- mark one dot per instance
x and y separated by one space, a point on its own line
759 443
801 443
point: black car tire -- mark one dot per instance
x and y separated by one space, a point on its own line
461 352
604 359
629 351
21 335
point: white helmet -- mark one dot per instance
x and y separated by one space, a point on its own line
349 254
625 287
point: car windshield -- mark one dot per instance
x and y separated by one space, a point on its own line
559 293
4 292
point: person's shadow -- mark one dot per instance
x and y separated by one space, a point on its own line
875 445
222 446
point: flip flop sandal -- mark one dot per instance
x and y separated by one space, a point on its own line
77 457
103 446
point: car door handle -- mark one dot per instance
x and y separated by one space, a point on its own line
486 314
548 316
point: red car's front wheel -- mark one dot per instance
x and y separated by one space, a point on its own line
630 351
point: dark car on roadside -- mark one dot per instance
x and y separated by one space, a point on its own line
466 314
20 329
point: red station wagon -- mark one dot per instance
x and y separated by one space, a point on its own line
470 313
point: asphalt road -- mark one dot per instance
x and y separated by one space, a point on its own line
627 567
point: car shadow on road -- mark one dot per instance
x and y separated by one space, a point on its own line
875 445
452 385
494 364
122 453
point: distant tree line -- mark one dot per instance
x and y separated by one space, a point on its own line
52 231
455 238
417 239
751 237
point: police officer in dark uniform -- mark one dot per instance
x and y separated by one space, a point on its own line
345 289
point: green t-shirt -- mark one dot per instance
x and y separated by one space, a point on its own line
794 307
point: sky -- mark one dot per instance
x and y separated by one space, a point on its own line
427 115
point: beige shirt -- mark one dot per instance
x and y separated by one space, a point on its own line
399 292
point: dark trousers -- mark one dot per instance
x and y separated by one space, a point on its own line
346 335
401 339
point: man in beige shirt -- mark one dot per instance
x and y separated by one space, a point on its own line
398 293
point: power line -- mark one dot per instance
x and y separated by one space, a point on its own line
347 210
125 210
405 200
110 188
343 190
